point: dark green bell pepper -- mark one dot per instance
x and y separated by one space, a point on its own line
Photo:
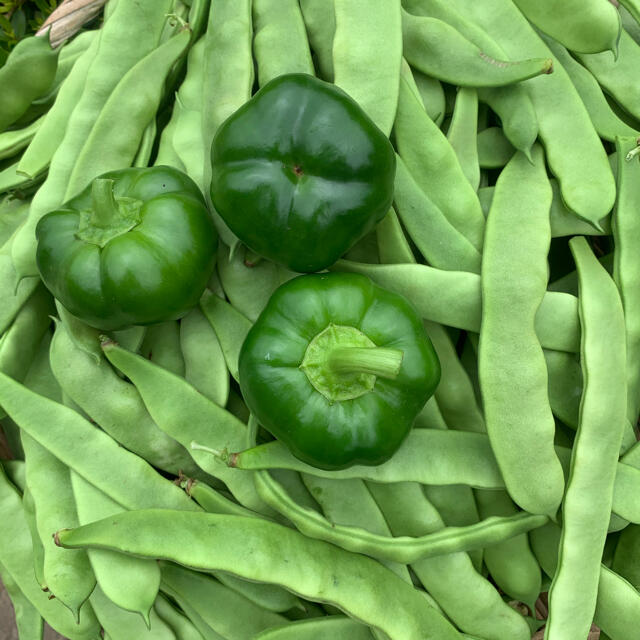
136 247
338 368
300 172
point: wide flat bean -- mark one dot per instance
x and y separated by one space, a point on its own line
393 247
227 86
204 363
125 625
125 115
606 122
494 150
186 415
463 133
181 626
600 433
90 452
130 583
442 245
626 236
369 35
432 95
316 570
122 45
16 557
428 43
112 402
511 103
470 600
574 152
320 19
434 165
428 456
453 298
161 345
279 41
68 577
613 73
227 612
517 412
586 26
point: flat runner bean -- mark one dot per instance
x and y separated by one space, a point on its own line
574 152
516 407
246 547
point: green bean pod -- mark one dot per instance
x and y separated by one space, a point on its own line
320 20
453 298
428 43
232 615
68 577
442 245
393 247
326 628
603 365
463 133
517 412
606 122
280 41
90 452
229 37
314 569
28 619
180 410
574 152
181 626
583 26
16 558
613 73
113 403
130 583
369 35
434 165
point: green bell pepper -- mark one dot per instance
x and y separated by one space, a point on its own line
136 247
300 172
338 368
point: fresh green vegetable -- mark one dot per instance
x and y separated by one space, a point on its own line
338 369
136 247
300 172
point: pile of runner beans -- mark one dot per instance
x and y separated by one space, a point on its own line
464 178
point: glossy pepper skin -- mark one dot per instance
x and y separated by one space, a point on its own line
301 369
300 172
136 247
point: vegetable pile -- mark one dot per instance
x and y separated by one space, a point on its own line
318 320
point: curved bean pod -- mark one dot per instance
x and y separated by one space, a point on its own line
16 557
454 457
28 619
516 407
442 245
453 298
433 163
122 45
90 452
130 583
606 122
428 43
584 26
125 114
185 414
369 35
574 152
113 403
279 40
613 73
314 569
581 544
463 133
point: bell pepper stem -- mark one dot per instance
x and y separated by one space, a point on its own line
105 206
378 361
